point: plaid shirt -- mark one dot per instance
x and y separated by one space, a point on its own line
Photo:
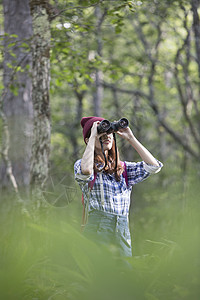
116 193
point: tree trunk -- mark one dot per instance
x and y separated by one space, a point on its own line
196 28
99 91
16 100
40 95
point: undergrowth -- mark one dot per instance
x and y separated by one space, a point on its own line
45 256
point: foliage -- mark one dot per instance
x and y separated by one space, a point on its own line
146 52
150 75
147 57
44 255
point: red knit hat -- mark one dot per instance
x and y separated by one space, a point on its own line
87 123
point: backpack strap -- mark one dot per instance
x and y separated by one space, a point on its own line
91 183
84 215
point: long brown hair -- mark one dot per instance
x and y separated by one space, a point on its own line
111 167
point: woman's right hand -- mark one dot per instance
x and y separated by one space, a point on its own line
94 131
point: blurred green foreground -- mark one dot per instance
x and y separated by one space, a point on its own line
44 256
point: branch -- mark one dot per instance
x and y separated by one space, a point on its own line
124 91
153 103
142 38
58 13
178 138
184 102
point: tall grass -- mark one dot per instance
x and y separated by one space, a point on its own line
44 255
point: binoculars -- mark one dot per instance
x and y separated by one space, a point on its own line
109 127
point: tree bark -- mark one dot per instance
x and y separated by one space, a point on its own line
16 100
196 28
40 95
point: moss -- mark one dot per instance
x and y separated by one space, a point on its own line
44 4
41 24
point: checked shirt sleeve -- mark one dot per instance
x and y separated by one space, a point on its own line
136 172
153 169
79 176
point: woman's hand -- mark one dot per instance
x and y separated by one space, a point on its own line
146 156
94 129
125 133
94 132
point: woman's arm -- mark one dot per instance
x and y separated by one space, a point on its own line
146 156
87 161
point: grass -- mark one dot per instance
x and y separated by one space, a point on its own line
44 256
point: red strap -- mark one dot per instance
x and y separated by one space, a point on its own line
82 199
125 173
91 183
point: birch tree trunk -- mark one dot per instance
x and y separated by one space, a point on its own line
40 95
16 100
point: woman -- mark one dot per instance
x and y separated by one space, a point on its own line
106 186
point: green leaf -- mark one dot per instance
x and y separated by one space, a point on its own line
25 45
12 53
13 35
9 65
14 89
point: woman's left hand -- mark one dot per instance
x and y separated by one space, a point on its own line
125 133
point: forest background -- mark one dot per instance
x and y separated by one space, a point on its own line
62 60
